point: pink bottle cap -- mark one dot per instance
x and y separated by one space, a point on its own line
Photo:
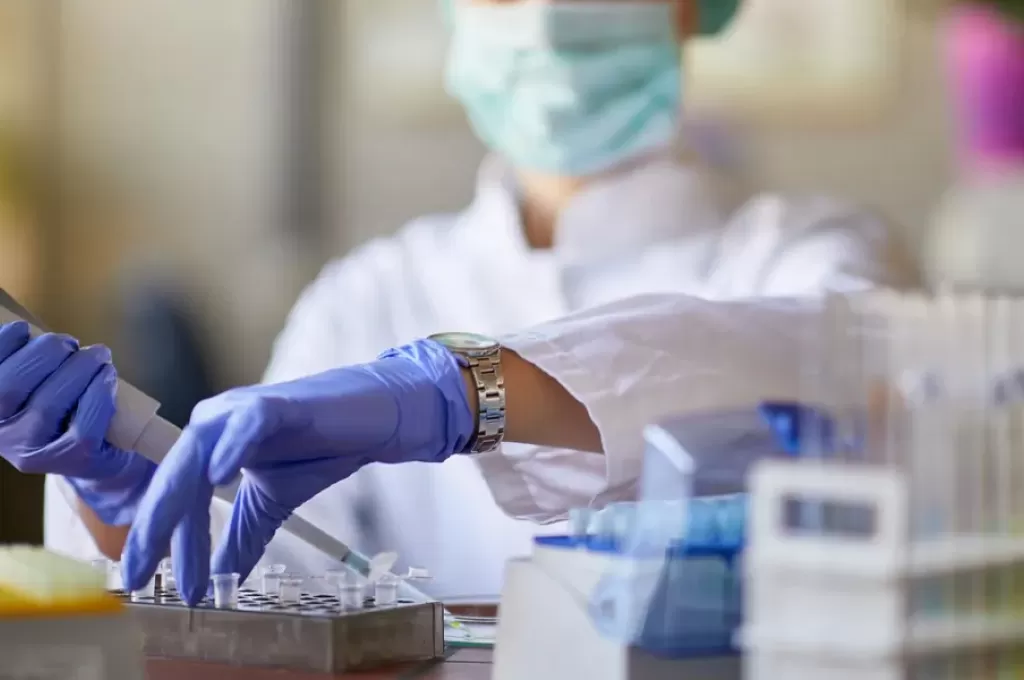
985 58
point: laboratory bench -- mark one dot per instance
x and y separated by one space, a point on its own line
458 664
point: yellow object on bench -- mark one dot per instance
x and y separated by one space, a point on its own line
35 582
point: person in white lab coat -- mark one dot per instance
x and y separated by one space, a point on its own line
582 202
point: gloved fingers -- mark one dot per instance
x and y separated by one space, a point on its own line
59 394
29 367
13 336
89 424
96 408
190 548
173 492
254 521
247 428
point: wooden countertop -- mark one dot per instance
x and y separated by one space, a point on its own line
460 664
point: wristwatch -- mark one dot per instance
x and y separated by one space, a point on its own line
482 355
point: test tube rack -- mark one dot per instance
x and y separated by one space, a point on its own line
892 549
314 634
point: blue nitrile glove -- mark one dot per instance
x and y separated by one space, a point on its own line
56 404
290 442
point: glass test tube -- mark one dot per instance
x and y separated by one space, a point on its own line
385 591
225 591
289 589
272 579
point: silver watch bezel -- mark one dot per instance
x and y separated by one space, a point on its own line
467 344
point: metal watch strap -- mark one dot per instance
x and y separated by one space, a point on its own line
490 388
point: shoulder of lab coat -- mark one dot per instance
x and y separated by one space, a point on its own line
349 313
782 245
638 361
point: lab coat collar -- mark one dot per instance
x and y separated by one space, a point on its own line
653 201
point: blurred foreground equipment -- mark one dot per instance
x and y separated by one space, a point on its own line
894 547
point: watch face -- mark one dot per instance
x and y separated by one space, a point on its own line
465 342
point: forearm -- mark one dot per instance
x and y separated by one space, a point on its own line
109 539
539 410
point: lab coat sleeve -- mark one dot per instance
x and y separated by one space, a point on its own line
838 247
635 362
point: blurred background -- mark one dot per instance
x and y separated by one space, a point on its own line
180 169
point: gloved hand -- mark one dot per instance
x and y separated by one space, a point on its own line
290 442
56 404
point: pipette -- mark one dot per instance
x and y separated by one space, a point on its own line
137 427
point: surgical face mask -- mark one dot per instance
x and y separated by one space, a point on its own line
567 88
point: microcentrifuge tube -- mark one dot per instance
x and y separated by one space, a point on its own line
114 580
385 590
146 591
579 523
350 594
272 579
417 574
166 572
347 588
225 591
109 571
335 577
103 567
290 589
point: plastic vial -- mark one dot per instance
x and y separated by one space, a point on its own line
289 589
147 591
350 595
385 591
225 591
579 524
166 572
417 574
272 579
102 566
114 580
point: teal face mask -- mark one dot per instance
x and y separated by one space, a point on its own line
570 88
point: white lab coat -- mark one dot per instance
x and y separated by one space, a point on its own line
662 227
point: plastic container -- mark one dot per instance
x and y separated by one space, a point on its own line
272 579
166 572
148 591
290 589
225 591
385 590
673 584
